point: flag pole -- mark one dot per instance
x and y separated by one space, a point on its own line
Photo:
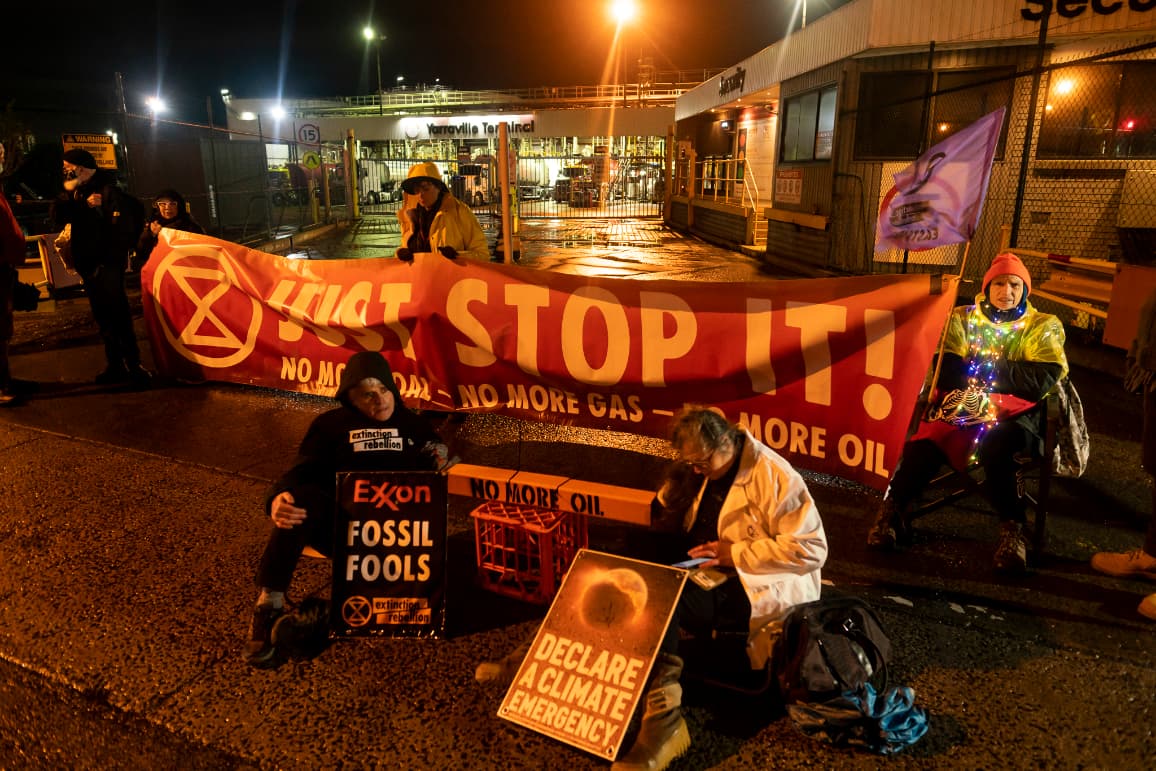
946 322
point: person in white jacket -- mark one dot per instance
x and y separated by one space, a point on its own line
755 523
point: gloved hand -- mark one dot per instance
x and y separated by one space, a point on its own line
403 254
448 252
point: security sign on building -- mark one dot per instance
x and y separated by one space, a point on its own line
389 560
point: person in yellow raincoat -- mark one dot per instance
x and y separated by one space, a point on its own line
1001 357
432 220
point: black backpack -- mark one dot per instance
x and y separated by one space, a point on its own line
831 663
831 646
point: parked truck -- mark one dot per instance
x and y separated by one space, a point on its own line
375 182
472 183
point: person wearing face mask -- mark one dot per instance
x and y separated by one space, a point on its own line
95 212
998 345
432 220
169 211
370 430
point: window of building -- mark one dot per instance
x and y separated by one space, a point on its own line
963 97
890 114
809 125
1100 111
890 125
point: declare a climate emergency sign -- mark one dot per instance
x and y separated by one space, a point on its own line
824 371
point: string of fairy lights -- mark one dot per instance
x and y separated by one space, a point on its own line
973 406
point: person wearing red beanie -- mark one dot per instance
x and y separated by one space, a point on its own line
999 345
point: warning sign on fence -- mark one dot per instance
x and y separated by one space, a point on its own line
100 145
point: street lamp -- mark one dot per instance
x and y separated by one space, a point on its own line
371 36
623 12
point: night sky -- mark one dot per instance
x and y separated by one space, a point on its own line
189 50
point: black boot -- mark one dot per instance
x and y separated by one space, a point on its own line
1011 555
664 735
891 527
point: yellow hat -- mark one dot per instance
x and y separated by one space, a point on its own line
418 172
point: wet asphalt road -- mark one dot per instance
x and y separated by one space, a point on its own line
130 526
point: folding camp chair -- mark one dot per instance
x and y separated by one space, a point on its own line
1033 481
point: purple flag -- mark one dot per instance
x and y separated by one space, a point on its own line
937 200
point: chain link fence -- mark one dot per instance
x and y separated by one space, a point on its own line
1073 185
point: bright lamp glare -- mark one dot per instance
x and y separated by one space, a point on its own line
368 33
155 104
278 112
623 11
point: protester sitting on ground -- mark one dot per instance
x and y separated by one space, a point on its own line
1140 375
752 519
432 220
169 211
372 430
998 346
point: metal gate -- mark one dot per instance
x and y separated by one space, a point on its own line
590 186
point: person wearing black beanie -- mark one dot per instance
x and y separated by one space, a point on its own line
96 221
169 211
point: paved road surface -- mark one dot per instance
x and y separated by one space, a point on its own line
130 528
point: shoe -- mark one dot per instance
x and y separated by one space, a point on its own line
259 650
1011 555
890 528
304 633
663 737
1147 607
139 376
1133 564
112 376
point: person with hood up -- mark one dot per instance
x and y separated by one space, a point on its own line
371 430
432 220
169 211
93 211
998 346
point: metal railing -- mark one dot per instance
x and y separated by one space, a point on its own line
657 92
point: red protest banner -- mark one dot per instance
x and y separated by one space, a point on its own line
825 371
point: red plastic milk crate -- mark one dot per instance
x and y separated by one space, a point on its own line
523 551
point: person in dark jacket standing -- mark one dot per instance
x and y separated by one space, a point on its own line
92 208
372 430
169 211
